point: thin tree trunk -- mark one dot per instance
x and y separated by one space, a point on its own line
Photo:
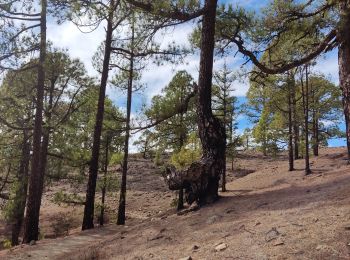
315 139
290 129
231 138
31 223
223 182
180 202
306 120
104 182
343 37
45 141
21 191
295 119
88 219
122 198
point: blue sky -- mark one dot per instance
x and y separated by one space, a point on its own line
83 46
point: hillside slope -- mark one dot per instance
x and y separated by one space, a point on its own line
268 214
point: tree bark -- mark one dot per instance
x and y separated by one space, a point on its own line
21 191
343 37
290 126
88 219
223 181
104 182
180 202
31 223
315 138
306 119
201 179
122 198
295 119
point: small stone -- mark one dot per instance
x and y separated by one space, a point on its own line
320 247
195 247
213 219
272 234
32 243
186 258
221 247
278 242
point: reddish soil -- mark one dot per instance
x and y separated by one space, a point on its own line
268 214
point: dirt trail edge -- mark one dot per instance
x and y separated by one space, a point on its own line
268 214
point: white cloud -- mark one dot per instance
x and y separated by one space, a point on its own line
80 45
328 65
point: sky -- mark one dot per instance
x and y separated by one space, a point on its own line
84 45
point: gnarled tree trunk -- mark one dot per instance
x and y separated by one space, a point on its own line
201 179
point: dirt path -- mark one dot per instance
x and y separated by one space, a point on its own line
268 214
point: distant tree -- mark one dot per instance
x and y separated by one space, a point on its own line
224 107
173 133
145 143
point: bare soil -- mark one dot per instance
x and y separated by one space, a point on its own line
267 213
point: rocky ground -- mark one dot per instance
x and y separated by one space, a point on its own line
267 213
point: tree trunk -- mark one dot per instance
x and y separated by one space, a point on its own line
343 37
231 138
21 191
88 219
122 198
31 223
290 129
295 120
315 139
45 141
223 181
201 179
180 202
306 120
104 183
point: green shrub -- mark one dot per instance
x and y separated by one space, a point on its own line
62 197
6 243
185 157
158 160
62 224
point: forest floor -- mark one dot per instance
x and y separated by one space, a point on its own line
267 213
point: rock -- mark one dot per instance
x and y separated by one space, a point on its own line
322 248
347 227
195 247
213 219
230 210
278 242
221 247
186 258
272 234
32 243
